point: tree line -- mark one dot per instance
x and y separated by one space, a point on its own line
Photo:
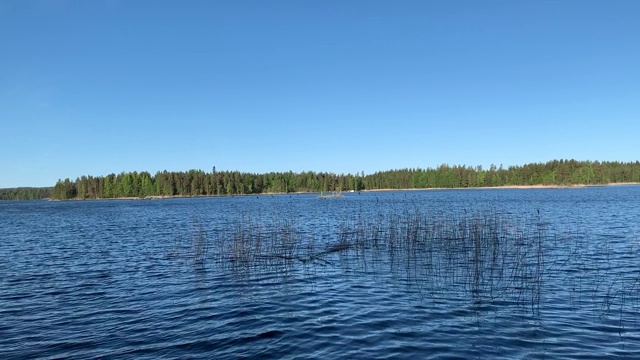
25 193
556 172
200 183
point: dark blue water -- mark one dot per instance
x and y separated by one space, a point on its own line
125 279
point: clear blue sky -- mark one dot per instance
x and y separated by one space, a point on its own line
95 87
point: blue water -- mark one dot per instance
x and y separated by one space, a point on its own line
125 279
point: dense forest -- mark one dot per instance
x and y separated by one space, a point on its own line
25 193
198 182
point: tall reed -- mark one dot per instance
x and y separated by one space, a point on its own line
489 256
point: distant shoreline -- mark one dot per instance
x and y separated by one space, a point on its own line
509 187
522 187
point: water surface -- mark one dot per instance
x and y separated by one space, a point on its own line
123 279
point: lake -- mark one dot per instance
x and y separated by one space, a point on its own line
487 273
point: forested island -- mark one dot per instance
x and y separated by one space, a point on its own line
201 183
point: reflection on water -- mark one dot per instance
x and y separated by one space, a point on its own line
479 273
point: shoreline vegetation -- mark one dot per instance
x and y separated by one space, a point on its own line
534 186
195 183
505 187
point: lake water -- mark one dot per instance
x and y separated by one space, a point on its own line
536 273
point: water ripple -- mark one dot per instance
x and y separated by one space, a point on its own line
119 280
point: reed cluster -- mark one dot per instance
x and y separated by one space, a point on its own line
488 253
490 257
